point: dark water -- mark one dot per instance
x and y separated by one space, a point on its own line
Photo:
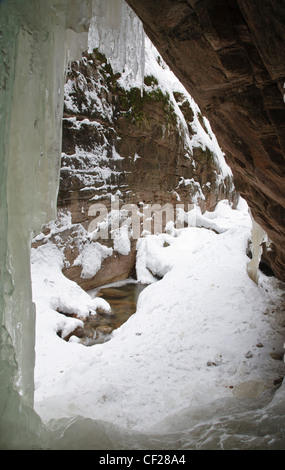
123 302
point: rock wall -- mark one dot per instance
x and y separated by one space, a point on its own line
230 56
142 146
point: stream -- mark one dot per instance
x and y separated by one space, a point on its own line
122 297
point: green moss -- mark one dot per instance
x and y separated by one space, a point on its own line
97 55
107 70
150 80
133 101
156 95
172 118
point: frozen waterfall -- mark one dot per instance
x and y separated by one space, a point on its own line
117 32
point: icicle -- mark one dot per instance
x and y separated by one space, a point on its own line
32 61
258 235
118 33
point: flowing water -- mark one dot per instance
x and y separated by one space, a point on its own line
122 298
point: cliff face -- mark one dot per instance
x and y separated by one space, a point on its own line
230 56
137 146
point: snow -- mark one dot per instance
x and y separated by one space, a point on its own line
91 258
122 242
192 340
53 291
169 83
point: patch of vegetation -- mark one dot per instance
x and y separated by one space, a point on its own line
133 101
97 55
110 77
150 80
186 109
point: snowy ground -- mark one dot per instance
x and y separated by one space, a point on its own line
192 340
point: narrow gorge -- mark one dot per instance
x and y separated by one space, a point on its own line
145 148
142 142
230 57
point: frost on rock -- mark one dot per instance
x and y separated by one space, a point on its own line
201 134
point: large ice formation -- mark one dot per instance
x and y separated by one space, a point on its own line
36 40
118 33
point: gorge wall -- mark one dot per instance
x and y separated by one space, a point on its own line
145 146
230 56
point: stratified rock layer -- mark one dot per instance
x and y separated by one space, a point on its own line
230 56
